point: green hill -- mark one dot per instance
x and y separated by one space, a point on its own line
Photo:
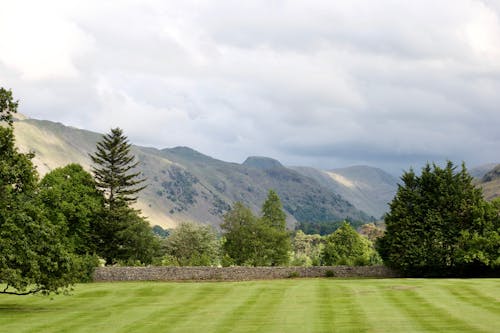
184 184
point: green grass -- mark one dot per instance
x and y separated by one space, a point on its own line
295 305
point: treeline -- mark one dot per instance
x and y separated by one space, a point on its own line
249 240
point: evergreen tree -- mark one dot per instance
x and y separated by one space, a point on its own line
123 235
439 224
114 169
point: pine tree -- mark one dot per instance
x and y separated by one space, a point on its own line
113 172
123 234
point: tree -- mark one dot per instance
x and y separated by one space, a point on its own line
123 235
346 247
241 242
113 169
7 106
33 256
275 235
440 225
371 231
70 193
192 245
249 240
306 249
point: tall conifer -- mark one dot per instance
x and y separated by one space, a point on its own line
114 169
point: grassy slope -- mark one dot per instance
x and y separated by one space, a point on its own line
314 305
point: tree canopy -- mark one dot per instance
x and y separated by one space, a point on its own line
254 241
346 247
192 244
439 225
33 255
70 193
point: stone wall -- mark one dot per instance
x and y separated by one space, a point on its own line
163 273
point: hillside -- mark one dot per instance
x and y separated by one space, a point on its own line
184 184
481 170
369 189
490 183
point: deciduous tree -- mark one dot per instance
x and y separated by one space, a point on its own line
33 255
346 247
192 244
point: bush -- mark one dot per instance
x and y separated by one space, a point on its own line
329 273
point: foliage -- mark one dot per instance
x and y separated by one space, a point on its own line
160 232
113 169
326 227
70 193
192 245
241 236
123 235
249 240
371 231
7 106
346 247
274 233
306 249
439 225
33 255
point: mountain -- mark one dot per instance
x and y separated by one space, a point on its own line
369 189
184 184
481 170
490 183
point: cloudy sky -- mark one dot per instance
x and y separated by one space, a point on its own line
328 84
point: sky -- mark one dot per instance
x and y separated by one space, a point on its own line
328 84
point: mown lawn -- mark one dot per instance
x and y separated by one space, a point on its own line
294 305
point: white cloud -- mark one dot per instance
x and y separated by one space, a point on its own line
312 82
40 41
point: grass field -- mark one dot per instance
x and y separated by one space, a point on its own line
295 305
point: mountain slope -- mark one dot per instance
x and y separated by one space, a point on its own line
369 189
490 183
184 184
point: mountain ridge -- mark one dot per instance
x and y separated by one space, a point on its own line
185 184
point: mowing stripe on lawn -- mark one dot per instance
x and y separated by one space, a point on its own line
291 305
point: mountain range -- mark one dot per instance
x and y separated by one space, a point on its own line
186 185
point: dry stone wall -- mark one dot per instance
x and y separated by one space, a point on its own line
163 273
